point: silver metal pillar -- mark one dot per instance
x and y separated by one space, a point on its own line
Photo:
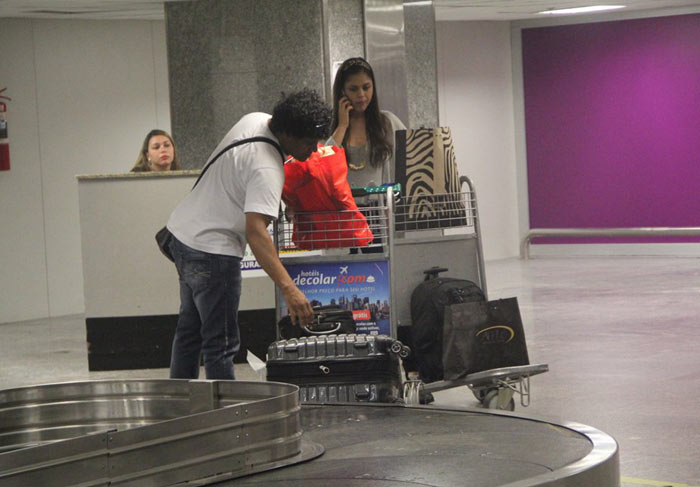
386 52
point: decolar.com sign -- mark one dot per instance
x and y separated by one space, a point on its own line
361 287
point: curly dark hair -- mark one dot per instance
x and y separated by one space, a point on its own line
380 149
302 114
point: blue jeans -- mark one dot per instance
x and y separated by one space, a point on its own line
210 290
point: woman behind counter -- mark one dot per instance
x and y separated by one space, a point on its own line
366 133
157 153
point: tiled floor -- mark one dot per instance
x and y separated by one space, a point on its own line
621 336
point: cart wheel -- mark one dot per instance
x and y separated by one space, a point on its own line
480 394
491 401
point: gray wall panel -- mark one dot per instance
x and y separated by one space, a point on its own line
421 64
384 33
346 33
228 58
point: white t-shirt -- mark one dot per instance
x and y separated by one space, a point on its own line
246 179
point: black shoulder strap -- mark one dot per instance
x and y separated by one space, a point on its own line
235 144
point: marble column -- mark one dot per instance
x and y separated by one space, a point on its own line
421 64
227 58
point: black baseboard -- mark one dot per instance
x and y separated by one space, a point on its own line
144 342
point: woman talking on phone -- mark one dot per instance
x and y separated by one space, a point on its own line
365 131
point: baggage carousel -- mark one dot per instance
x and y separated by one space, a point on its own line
176 432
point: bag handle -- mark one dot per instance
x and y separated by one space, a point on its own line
326 332
434 272
236 144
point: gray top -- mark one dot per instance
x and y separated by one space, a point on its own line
358 156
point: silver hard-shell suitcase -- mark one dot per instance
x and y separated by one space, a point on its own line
339 368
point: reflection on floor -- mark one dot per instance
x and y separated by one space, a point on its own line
621 336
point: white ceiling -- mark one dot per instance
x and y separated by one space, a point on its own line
445 9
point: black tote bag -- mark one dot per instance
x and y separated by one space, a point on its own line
480 336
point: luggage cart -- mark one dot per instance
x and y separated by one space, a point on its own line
411 234
318 249
493 388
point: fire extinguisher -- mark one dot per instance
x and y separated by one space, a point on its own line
4 141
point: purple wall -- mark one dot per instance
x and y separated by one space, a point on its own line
612 115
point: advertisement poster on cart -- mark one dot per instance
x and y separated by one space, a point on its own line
361 287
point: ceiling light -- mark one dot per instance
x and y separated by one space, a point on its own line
580 10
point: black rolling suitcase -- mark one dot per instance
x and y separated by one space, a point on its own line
328 320
339 368
428 302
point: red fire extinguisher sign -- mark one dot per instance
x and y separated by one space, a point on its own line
4 141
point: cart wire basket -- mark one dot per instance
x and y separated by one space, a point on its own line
428 211
385 215
366 227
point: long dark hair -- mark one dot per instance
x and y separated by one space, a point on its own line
380 149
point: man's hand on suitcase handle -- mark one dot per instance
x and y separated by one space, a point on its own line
300 310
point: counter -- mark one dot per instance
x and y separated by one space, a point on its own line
131 290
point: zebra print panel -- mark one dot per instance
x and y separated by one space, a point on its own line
430 183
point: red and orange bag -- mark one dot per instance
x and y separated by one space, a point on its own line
325 213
